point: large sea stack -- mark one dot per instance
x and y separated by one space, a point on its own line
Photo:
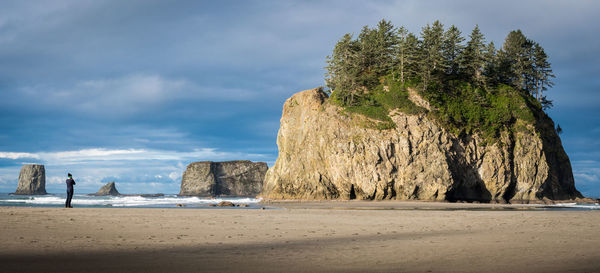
230 178
32 180
326 153
108 189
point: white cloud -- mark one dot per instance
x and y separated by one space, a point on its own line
11 155
587 177
174 175
586 171
101 154
134 170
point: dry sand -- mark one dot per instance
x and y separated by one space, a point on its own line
303 237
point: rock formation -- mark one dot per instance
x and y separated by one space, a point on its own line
108 189
324 153
152 195
234 178
32 180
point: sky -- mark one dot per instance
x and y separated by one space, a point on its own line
133 91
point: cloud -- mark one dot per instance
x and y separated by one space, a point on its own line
122 96
142 170
101 154
586 177
11 155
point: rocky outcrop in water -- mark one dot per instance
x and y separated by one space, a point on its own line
232 178
108 189
32 180
324 153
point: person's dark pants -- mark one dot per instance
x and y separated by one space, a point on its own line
69 197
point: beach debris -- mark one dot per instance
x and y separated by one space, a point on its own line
180 205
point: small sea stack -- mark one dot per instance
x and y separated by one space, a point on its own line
108 189
32 180
152 195
229 178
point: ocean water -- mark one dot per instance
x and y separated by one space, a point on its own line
129 201
576 206
171 201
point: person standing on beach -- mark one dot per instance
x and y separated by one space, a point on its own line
70 183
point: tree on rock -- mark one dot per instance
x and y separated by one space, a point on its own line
542 71
452 48
473 57
431 59
343 70
407 54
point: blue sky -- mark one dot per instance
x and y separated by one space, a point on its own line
133 91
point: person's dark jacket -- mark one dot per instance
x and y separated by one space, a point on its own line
70 183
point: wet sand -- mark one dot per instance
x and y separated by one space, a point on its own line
302 237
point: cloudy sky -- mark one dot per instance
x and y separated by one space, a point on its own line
133 91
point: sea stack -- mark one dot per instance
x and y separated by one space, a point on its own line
328 153
108 189
229 178
32 180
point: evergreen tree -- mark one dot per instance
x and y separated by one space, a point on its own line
452 48
490 71
546 103
514 60
431 58
343 70
473 58
386 42
543 71
366 57
376 54
407 54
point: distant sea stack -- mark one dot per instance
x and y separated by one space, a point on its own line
32 180
108 189
325 153
229 178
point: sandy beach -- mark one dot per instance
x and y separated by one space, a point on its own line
301 237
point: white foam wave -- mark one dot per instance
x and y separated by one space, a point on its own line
130 201
577 205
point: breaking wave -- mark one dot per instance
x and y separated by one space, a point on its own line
120 201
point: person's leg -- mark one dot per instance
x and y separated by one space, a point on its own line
69 197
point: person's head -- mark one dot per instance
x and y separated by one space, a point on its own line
69 175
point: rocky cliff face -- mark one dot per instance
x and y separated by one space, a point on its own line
108 189
32 180
234 178
324 153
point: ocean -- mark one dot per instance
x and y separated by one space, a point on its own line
124 201
172 201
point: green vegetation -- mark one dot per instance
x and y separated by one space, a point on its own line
378 103
474 110
472 87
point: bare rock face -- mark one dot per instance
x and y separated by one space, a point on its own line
108 189
233 178
32 180
324 153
